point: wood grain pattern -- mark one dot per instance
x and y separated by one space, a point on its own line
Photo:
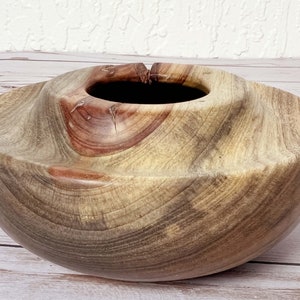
286 251
214 184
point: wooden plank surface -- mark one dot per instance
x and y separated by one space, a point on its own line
15 73
273 275
36 278
118 58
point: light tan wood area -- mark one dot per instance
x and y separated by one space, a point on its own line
273 275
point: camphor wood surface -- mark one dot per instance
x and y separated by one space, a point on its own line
149 192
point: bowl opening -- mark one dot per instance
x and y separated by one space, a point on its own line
142 93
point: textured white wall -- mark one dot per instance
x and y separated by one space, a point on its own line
207 28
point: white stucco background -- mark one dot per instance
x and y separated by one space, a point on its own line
203 28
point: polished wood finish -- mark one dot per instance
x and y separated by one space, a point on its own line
149 192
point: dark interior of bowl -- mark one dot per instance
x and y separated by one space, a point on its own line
141 93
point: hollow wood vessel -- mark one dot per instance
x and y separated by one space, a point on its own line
149 175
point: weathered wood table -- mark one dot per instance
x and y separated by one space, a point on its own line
274 275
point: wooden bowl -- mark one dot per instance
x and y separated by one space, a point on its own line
182 171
